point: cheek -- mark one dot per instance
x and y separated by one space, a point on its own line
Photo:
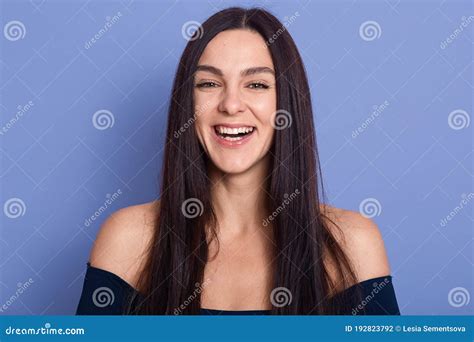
204 105
269 135
264 111
263 102
201 127
201 103
200 114
263 105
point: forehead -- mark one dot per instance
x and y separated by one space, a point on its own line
235 50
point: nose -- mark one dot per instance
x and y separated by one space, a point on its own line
231 102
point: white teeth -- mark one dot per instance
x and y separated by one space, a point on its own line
233 139
228 130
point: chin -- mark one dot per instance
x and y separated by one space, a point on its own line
232 166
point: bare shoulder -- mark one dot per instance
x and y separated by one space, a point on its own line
361 240
122 242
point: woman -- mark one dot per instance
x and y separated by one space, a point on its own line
240 227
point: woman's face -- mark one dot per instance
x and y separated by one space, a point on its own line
235 98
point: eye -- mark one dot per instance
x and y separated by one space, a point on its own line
258 85
206 84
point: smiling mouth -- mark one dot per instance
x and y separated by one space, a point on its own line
234 134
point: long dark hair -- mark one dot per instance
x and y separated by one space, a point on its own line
178 252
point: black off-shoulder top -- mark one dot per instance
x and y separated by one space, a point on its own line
105 293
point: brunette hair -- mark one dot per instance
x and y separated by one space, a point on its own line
179 250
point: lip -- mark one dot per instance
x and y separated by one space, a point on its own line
233 125
232 144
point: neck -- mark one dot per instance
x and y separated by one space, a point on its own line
240 200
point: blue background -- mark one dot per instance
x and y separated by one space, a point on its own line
410 159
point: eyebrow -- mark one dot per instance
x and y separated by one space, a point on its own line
246 72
